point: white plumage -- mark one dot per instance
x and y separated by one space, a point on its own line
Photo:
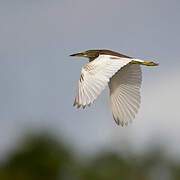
124 80
125 93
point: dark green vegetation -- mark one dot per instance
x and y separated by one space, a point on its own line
44 158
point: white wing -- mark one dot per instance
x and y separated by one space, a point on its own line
125 93
95 76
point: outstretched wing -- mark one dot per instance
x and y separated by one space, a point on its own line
95 76
125 93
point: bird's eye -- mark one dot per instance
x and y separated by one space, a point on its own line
96 55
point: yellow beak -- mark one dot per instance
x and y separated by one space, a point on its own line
78 54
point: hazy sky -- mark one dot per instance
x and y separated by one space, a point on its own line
38 79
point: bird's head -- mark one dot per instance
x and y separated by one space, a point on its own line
91 54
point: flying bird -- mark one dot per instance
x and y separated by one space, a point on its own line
121 73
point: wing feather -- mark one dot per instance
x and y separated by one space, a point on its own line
125 93
95 77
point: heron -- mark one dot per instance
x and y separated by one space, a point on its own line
121 73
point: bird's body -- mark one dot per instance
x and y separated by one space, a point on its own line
123 75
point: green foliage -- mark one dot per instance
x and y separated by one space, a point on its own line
42 157
39 158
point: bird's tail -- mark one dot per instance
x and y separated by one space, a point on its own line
144 63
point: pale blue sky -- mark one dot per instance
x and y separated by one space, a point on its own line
38 79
